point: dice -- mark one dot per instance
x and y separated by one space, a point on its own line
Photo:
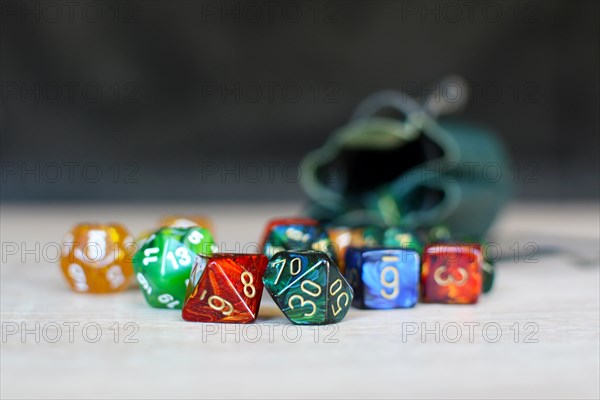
451 273
308 287
367 236
225 288
441 234
164 262
345 237
341 237
177 221
185 221
296 234
395 237
383 278
96 258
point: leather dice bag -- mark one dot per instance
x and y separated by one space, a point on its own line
396 164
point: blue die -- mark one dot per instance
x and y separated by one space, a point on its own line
383 278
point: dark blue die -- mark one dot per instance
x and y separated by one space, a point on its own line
383 278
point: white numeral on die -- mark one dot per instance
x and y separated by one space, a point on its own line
195 237
183 258
115 276
76 272
150 255
144 283
168 299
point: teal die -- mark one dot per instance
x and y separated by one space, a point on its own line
308 287
396 237
296 234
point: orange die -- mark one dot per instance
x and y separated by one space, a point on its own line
342 239
185 221
451 273
96 258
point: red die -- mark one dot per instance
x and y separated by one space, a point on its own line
451 273
225 288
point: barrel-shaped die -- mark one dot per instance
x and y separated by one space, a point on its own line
96 258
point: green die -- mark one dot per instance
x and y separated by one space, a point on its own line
396 237
308 287
164 261
367 236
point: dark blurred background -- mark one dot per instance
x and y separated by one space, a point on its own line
207 100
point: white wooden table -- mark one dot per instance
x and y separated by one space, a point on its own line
546 311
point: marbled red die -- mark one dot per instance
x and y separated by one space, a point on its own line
451 273
225 288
